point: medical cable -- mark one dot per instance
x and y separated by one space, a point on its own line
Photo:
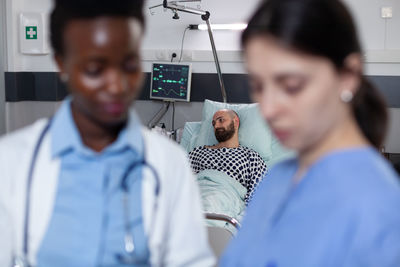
173 118
183 39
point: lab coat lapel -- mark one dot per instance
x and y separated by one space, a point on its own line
44 189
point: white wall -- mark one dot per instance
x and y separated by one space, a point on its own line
16 60
2 66
380 37
165 34
373 29
392 144
24 113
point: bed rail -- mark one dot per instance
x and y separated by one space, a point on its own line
223 217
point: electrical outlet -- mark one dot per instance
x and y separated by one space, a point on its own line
364 57
161 55
187 55
166 55
386 12
170 53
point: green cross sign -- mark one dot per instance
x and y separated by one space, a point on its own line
31 32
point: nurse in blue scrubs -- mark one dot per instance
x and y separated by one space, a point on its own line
337 203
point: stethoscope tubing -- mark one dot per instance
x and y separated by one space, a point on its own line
129 245
29 186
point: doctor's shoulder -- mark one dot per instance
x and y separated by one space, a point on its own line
19 143
163 149
16 149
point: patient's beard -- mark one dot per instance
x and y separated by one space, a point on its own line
223 135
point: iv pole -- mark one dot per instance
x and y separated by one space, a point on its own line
205 15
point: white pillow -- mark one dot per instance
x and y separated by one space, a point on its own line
253 131
190 134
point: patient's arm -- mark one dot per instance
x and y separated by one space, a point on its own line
258 169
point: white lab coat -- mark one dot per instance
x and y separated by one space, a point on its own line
178 237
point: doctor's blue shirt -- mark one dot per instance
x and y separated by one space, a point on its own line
344 212
87 224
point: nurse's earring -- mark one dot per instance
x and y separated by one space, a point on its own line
346 96
64 77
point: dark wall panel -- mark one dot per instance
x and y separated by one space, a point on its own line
34 86
46 86
389 87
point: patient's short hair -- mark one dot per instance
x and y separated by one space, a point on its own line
233 114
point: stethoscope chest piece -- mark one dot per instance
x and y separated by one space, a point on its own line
20 262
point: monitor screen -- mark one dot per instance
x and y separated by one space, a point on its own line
170 81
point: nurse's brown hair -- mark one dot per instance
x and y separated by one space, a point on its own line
322 28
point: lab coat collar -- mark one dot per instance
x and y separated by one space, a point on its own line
65 135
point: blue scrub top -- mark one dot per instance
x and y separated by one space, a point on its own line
344 212
87 223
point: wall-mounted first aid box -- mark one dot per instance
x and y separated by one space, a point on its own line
33 34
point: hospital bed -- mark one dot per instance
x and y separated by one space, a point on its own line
219 237
253 133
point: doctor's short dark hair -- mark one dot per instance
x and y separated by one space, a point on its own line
322 28
65 11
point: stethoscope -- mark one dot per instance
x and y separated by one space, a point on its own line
129 245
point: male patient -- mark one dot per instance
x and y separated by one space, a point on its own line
241 163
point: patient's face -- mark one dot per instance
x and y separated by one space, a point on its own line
224 126
224 134
298 93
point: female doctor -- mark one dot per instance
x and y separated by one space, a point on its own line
90 186
337 203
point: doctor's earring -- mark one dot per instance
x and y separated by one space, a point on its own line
346 96
64 77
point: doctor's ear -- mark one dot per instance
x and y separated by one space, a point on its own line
64 77
351 74
59 62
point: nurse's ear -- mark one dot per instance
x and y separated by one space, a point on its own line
351 73
64 77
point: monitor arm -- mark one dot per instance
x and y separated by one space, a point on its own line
205 15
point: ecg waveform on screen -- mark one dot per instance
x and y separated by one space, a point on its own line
170 81
168 92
